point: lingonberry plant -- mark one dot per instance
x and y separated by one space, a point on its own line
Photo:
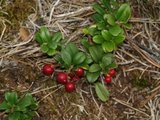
19 108
96 61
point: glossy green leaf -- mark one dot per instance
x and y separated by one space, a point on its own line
4 106
94 68
98 9
51 44
57 37
14 116
79 58
119 39
25 101
110 19
51 52
107 59
97 18
93 30
115 30
72 49
96 53
11 97
42 35
106 35
101 25
85 43
124 13
101 91
66 57
88 60
98 39
108 46
92 77
44 47
106 3
128 26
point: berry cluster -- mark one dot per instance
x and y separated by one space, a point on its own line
68 80
108 77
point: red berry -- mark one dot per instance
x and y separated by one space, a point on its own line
79 72
107 79
62 77
48 69
70 86
112 72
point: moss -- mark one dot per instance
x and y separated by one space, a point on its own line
17 12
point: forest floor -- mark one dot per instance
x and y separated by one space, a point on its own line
135 91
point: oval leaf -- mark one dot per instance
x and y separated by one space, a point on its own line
106 35
57 37
71 49
96 52
11 97
92 77
79 58
98 39
94 68
101 91
110 19
44 48
108 46
66 57
119 39
98 9
107 59
115 30
124 13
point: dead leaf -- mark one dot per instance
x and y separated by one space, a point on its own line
24 33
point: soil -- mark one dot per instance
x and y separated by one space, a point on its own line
128 92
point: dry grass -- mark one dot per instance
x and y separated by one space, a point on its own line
138 58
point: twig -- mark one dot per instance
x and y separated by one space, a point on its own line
125 104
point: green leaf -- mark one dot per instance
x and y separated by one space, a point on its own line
97 18
25 101
43 35
4 106
115 30
98 9
96 53
38 38
88 60
93 30
66 57
44 47
101 25
128 26
92 77
110 19
107 59
106 3
51 52
106 35
124 13
11 97
98 39
71 49
94 68
101 91
108 46
119 39
51 44
57 37
14 116
79 58
85 43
